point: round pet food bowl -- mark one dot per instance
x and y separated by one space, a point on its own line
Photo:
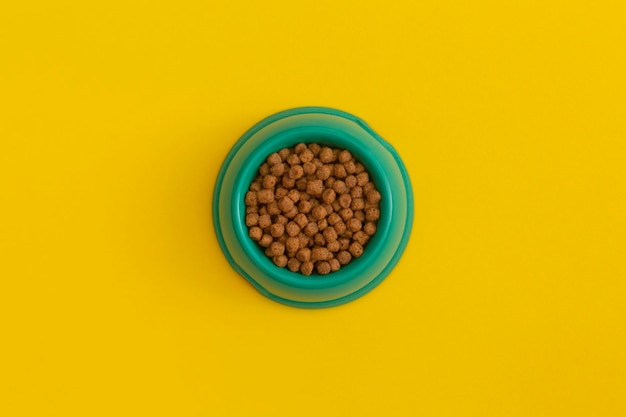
336 129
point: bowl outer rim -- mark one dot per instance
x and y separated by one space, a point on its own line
407 188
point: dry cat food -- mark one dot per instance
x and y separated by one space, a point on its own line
312 208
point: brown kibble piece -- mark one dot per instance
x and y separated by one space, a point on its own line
346 214
319 240
330 182
340 227
280 193
314 187
294 195
340 187
277 230
305 206
339 171
300 147
306 268
265 196
294 265
304 240
361 237
333 218
277 170
335 265
281 219
354 225
344 243
292 213
274 159
350 167
330 234
264 169
345 200
322 225
372 214
309 168
284 153
280 261
252 209
273 209
296 172
285 204
252 219
369 228
319 212
256 233
265 220
336 206
351 181
362 178
310 229
266 240
292 229
301 220
326 155
356 249
356 192
344 257
315 148
323 172
323 268
301 184
303 254
293 159
333 246
306 156
269 182
251 198
277 248
359 167
292 244
287 182
256 185
359 214
357 204
328 196
319 254
344 156
368 187
373 197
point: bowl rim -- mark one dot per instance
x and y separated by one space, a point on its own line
349 272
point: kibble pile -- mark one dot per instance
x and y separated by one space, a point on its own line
312 208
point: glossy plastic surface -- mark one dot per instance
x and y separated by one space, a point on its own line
336 129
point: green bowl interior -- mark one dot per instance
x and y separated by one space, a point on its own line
332 139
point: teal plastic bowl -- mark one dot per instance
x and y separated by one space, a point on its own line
337 129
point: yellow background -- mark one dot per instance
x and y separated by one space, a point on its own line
116 300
